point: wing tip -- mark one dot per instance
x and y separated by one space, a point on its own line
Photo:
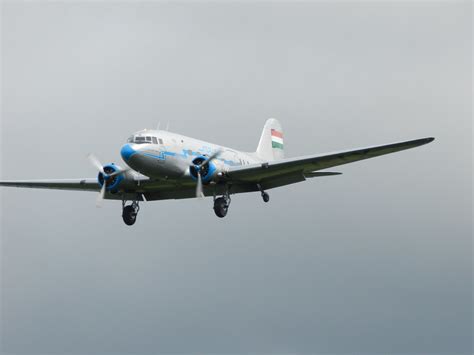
423 141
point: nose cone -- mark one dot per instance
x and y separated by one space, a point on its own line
127 152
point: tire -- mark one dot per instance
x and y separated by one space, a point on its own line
266 197
129 215
220 207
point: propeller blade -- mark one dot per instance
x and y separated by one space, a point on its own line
199 193
212 157
118 172
95 162
100 197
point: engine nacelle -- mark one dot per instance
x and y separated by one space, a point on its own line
207 171
117 182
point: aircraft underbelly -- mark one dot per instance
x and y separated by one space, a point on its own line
156 166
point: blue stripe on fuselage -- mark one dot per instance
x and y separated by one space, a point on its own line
185 153
162 155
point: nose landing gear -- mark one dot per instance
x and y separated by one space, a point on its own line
129 213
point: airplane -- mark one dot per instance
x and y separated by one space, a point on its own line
163 165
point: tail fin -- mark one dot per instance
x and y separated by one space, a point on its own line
270 146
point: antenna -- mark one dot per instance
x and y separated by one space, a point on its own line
158 126
167 126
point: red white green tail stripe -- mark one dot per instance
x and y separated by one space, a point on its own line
277 139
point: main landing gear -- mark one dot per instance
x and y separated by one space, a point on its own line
221 204
129 213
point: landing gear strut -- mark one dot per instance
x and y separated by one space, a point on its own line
221 204
129 213
265 196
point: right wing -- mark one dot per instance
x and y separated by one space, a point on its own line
69 184
146 188
89 184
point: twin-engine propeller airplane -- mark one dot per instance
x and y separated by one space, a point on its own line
164 165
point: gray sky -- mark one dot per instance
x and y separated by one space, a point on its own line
377 260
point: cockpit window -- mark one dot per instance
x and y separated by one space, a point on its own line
143 140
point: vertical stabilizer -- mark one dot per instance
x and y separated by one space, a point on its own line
270 146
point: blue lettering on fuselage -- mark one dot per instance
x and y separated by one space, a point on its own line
161 156
186 153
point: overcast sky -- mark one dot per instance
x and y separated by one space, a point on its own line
377 260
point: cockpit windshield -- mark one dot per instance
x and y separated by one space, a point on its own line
142 140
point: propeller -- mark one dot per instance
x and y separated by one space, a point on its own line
100 197
199 167
199 193
95 162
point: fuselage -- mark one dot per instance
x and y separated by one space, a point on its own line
166 155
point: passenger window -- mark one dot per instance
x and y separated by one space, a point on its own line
148 139
155 141
160 140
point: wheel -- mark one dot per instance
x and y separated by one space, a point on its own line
221 207
129 215
265 196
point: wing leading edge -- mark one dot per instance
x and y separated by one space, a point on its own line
312 163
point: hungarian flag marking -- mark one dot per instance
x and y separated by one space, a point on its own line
277 139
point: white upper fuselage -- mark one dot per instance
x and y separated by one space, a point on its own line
163 154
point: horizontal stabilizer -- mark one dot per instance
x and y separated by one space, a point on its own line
312 174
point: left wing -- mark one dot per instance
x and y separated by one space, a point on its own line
299 168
